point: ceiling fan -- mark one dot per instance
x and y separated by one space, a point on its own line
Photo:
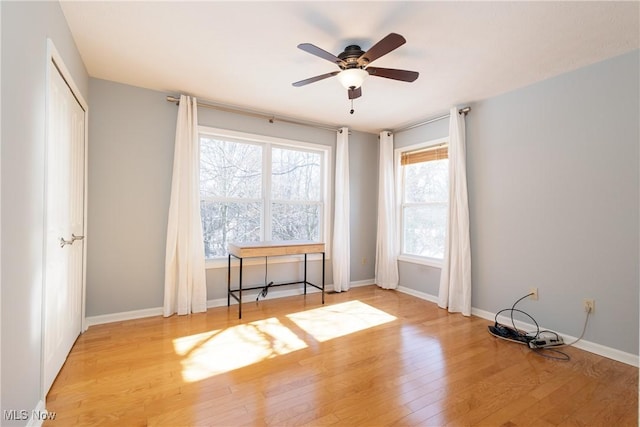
354 64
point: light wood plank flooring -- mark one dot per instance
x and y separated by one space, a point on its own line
368 357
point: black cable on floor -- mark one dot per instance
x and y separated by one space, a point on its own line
265 290
516 335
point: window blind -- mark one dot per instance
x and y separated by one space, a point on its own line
425 155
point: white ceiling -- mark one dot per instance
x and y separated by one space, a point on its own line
244 53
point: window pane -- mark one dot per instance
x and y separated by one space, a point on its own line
427 182
230 169
424 230
295 175
229 222
295 221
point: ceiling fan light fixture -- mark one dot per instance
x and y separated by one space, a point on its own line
352 77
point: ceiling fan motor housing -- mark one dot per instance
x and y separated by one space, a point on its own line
350 57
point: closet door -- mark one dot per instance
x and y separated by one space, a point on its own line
64 253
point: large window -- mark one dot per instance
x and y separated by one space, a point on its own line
424 174
257 188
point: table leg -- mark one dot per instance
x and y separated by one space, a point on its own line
229 281
305 274
240 292
323 277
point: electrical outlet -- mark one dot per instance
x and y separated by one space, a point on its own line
534 293
589 305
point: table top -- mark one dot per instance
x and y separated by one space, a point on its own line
274 248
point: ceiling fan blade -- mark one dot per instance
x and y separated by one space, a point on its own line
314 79
355 93
315 50
384 46
390 73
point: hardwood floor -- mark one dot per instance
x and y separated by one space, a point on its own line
368 357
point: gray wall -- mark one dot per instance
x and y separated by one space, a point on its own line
131 136
554 196
364 153
131 132
25 28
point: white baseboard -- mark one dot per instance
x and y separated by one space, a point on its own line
601 350
125 315
212 303
359 283
38 415
418 294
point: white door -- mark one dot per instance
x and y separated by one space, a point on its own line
63 289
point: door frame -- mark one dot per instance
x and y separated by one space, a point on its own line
54 56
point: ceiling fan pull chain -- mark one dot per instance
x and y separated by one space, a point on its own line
351 111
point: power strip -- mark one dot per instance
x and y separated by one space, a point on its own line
513 335
546 342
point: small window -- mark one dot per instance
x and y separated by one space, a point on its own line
424 174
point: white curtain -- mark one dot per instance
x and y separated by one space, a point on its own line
386 245
455 279
341 258
185 288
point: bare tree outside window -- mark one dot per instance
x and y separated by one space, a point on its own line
424 208
230 192
296 195
241 193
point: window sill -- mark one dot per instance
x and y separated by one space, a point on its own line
215 263
431 262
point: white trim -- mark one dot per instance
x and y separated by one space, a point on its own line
360 283
414 259
418 294
39 409
219 302
122 316
267 173
256 138
0 209
591 347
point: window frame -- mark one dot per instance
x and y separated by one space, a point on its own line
268 143
399 173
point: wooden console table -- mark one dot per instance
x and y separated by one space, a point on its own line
267 249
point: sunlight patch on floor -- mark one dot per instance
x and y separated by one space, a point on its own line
215 352
338 320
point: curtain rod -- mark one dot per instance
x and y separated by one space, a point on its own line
271 119
464 111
